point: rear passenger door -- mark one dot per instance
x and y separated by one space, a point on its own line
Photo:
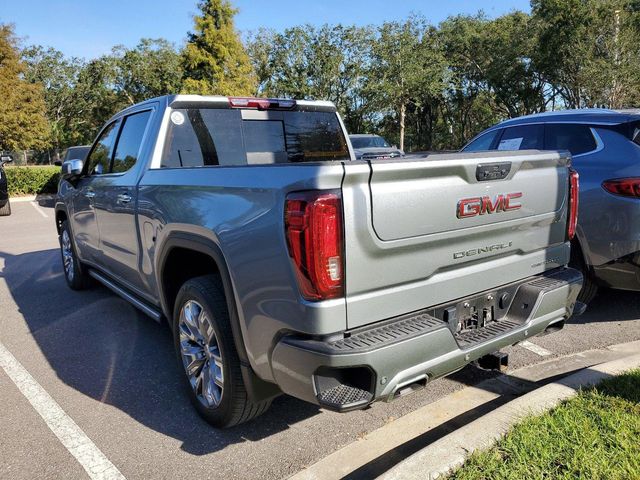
116 203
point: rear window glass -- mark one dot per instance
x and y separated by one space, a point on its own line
525 137
373 141
575 138
200 137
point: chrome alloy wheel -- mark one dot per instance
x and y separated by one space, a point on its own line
201 355
67 255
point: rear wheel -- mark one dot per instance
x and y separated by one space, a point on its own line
75 273
589 286
5 210
207 354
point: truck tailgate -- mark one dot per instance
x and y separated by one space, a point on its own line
419 232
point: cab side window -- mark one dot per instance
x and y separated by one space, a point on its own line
130 141
100 156
524 137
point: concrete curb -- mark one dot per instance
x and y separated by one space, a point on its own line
451 451
382 449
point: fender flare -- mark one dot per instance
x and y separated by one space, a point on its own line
206 246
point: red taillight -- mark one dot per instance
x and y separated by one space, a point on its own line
627 187
313 223
574 190
261 103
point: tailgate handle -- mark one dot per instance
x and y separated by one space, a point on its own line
493 171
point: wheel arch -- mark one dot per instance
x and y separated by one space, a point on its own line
61 216
183 243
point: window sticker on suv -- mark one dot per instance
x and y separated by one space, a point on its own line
510 144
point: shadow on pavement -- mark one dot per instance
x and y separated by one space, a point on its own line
101 346
104 348
610 306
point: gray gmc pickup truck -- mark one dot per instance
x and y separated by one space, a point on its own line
282 264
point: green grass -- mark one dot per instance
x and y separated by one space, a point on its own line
594 435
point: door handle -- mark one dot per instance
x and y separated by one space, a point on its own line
90 194
124 198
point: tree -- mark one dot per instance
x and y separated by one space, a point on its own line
214 59
404 64
23 124
151 69
58 76
325 63
505 62
588 50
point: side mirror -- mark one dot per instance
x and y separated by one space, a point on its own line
5 159
71 169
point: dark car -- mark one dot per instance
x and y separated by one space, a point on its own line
368 146
5 206
605 145
78 152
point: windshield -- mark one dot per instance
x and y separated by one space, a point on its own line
206 136
368 142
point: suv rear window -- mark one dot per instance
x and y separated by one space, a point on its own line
200 137
575 138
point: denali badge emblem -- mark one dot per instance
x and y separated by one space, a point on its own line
481 250
470 207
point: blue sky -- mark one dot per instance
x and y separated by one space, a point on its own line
89 28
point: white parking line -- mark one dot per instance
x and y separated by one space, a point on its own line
95 463
532 347
39 210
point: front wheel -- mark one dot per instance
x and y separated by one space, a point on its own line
74 272
207 354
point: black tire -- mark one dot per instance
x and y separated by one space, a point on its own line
5 210
234 405
75 273
589 286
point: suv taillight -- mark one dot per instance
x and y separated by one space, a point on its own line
626 187
313 225
574 190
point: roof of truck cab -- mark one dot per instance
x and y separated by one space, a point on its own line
184 100
594 116
213 99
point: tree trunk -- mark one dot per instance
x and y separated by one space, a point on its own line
403 113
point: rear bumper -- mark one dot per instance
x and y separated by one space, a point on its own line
622 274
352 369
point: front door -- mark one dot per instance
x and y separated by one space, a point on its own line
116 205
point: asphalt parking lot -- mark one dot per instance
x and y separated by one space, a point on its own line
113 372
